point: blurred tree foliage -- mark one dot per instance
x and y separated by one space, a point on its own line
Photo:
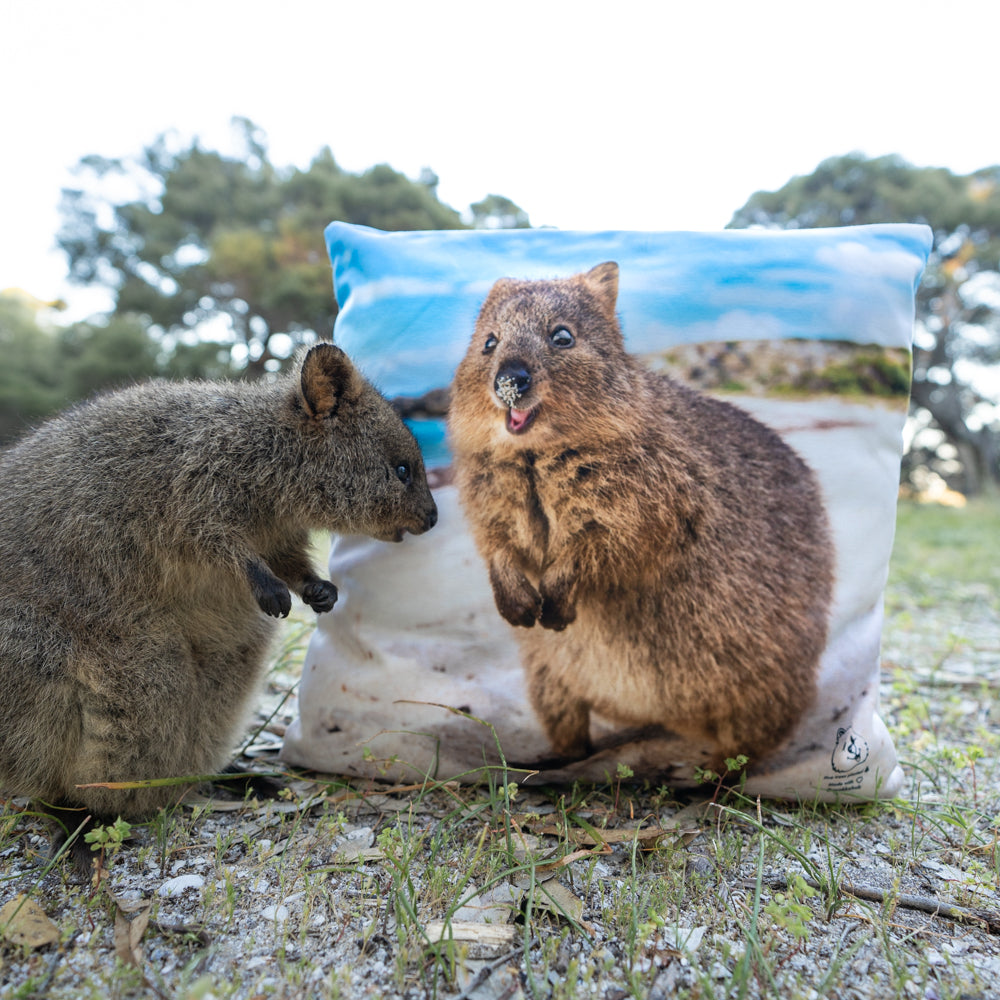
45 368
232 246
958 302
28 386
497 212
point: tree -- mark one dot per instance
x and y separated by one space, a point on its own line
47 367
958 302
230 246
29 387
104 354
497 212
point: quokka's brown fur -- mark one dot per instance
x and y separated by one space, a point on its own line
666 555
148 540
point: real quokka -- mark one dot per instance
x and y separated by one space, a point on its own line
148 540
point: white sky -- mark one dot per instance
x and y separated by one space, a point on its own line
621 115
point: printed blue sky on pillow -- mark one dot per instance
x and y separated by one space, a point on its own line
408 301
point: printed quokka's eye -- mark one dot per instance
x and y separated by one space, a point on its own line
561 337
403 473
491 342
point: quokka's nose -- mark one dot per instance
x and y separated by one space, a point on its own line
512 381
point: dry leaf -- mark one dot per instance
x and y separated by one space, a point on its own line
684 939
218 805
23 921
350 853
559 901
129 931
377 802
553 896
496 905
684 825
524 844
253 804
549 868
692 815
642 835
488 935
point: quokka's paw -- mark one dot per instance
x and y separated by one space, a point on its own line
520 607
64 823
557 611
570 742
320 595
273 597
274 600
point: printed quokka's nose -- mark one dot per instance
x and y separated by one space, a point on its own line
512 381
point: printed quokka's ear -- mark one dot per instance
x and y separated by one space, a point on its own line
603 280
500 289
328 379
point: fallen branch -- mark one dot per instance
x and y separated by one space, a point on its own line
192 931
487 970
989 920
943 679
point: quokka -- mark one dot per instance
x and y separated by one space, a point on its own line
665 556
148 540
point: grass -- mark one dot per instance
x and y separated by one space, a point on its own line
341 891
938 547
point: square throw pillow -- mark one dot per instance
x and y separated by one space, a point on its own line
671 559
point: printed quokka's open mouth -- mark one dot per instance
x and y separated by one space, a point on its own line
393 534
518 421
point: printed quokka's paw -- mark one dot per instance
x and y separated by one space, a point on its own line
320 595
570 736
558 610
275 600
556 616
576 749
520 607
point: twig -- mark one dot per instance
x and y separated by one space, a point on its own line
989 920
50 972
942 679
487 970
199 934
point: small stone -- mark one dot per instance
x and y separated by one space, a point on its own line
700 866
175 886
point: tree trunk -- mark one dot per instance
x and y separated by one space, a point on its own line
977 450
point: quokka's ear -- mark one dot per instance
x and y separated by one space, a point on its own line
500 289
328 379
603 280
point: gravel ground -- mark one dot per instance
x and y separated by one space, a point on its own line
329 891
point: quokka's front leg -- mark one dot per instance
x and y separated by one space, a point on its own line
558 597
320 595
516 598
291 563
580 565
271 594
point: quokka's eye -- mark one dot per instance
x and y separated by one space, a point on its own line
491 342
403 473
561 337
